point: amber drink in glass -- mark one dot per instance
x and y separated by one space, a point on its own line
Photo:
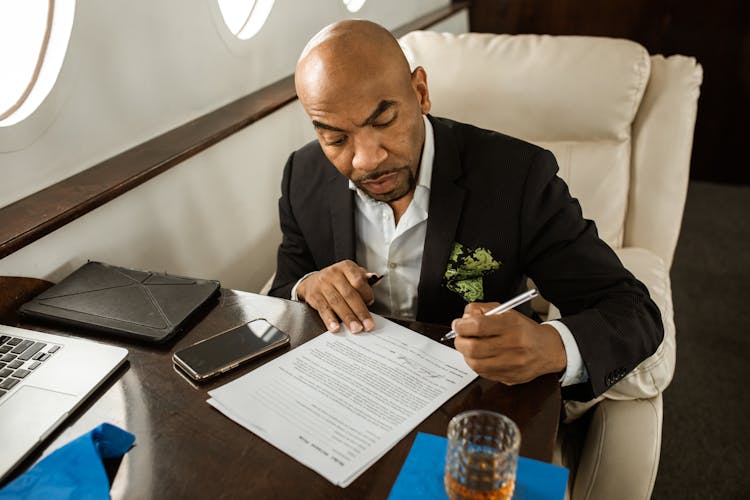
482 455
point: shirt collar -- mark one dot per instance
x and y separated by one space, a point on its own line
424 177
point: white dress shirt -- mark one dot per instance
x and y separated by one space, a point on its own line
395 252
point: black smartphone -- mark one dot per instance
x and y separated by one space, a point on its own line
229 349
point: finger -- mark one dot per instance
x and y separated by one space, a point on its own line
343 288
472 326
348 305
357 292
353 309
478 308
329 319
357 277
340 307
481 347
488 326
317 300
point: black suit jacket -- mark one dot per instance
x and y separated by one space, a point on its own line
493 191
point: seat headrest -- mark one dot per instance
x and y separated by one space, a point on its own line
538 87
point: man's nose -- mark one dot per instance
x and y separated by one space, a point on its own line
368 153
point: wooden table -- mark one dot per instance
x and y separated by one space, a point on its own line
187 449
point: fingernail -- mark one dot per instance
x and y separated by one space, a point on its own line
355 327
333 326
369 324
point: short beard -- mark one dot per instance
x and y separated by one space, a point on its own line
396 194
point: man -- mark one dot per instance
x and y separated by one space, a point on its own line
451 216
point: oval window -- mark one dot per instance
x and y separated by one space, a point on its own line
34 37
354 5
245 18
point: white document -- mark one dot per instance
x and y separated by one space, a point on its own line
340 401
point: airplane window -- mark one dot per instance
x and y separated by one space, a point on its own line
34 37
354 5
245 18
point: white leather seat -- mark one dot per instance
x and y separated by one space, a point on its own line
620 123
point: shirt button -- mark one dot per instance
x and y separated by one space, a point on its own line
393 265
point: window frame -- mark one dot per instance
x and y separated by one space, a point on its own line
37 67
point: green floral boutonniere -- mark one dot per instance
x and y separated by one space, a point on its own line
465 270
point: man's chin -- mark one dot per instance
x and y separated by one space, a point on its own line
400 189
388 197
394 194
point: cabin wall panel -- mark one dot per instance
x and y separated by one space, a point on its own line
213 216
135 69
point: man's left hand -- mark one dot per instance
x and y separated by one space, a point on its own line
507 347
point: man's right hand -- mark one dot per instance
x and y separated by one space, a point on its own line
340 293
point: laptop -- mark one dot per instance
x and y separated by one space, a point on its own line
106 299
43 379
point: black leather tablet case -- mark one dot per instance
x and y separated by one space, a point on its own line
142 305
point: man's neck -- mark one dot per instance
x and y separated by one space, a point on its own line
400 206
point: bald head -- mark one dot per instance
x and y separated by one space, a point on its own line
347 51
366 106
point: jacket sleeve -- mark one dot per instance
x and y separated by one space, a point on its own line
614 321
293 259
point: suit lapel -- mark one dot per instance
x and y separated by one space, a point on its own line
446 201
341 202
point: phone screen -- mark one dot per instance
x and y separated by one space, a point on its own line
228 349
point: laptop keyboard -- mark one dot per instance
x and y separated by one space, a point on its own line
19 357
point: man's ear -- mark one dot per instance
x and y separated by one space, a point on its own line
419 84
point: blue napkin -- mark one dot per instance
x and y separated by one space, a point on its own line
74 471
422 474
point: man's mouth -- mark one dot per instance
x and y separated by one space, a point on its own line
381 184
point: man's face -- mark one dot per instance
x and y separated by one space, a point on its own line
371 128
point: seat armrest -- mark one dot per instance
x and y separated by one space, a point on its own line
620 454
654 374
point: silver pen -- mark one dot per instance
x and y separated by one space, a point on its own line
505 306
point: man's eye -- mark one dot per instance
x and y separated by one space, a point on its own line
385 124
336 142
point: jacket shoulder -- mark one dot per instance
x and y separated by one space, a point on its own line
471 137
492 158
